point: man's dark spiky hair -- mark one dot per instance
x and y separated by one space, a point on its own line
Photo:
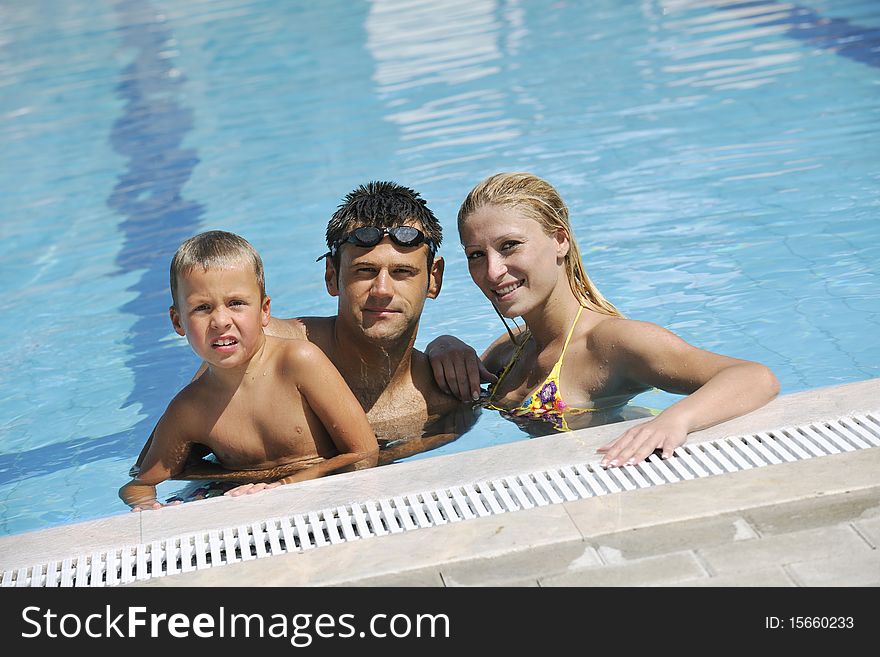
382 204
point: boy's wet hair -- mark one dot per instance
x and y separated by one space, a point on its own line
383 204
215 249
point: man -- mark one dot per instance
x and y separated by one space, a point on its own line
382 266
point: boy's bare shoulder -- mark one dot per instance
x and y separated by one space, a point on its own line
186 410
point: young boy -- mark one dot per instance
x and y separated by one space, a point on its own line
263 402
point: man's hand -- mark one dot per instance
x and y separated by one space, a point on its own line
458 370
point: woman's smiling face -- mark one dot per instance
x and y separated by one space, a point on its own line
511 259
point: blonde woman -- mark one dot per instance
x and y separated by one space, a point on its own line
577 355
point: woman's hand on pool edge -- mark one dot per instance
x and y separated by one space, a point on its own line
457 368
637 444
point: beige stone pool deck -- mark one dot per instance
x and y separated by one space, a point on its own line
812 523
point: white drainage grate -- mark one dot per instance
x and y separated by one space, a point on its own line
297 533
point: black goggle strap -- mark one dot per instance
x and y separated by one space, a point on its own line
373 240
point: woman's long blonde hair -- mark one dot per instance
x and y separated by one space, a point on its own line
540 201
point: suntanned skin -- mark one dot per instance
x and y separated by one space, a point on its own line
261 402
381 292
609 360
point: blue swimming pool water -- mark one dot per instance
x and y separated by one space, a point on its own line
720 160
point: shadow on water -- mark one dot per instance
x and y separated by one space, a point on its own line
860 44
149 134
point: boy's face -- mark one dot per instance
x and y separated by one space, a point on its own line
382 289
221 313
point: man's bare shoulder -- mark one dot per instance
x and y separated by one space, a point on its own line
313 329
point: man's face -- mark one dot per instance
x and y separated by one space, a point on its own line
382 289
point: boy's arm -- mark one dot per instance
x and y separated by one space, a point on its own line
165 455
330 398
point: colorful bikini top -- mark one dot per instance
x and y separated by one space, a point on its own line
546 402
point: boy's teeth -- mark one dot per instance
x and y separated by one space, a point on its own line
224 343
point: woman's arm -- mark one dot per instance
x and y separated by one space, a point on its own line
718 388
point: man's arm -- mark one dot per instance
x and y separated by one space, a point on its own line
458 370
445 429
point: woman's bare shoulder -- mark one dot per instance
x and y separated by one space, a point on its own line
620 334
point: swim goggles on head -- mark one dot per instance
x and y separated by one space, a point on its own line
372 235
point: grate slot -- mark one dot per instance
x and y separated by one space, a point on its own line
489 498
728 450
688 470
759 446
474 498
748 453
777 447
545 487
700 463
272 528
529 486
450 511
602 475
561 485
795 449
650 471
345 522
591 479
81 572
802 440
860 430
518 492
711 450
573 480
436 516
834 438
405 511
872 423
501 489
388 515
664 470
633 473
